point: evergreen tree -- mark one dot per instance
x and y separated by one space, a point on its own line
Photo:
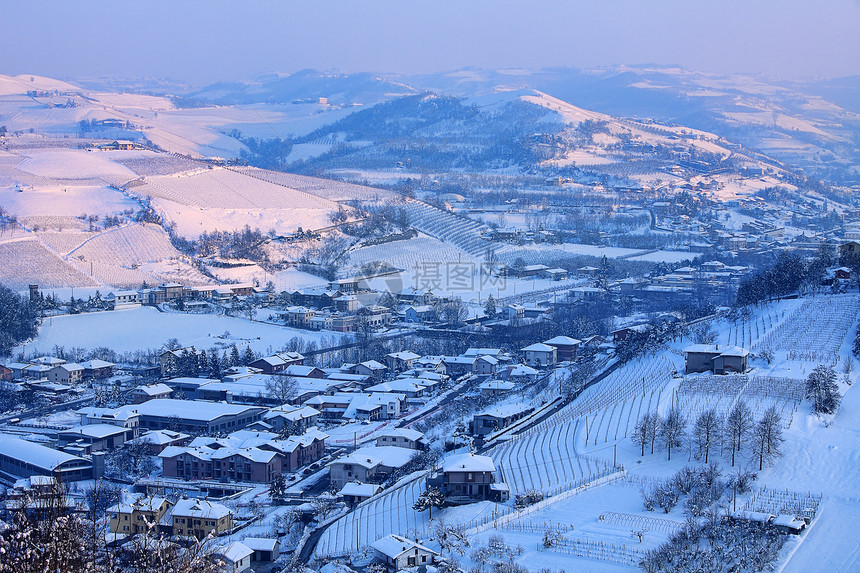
490 307
822 388
428 499
248 356
214 363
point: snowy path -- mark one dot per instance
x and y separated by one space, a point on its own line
825 460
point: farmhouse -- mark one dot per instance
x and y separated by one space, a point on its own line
496 387
398 361
355 492
277 363
709 357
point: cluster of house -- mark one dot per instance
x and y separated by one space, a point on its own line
174 291
53 376
56 370
684 282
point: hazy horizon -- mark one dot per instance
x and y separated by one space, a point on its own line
204 42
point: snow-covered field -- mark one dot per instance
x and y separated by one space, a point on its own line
222 199
65 201
133 329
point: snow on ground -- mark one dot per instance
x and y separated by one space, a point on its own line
665 257
65 201
145 327
74 164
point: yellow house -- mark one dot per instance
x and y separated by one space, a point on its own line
198 518
137 517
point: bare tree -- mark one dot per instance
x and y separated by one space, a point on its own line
653 428
281 388
672 429
707 430
452 537
738 425
640 432
767 437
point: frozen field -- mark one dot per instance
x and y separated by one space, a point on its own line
146 327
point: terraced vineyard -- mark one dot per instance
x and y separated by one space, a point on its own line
546 461
28 261
325 188
410 254
459 231
816 331
226 189
127 246
699 393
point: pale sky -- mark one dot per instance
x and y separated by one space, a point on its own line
203 41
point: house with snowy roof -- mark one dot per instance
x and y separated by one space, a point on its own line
235 556
264 548
97 369
539 355
137 516
397 552
277 363
485 365
296 418
402 438
372 368
409 387
497 417
713 358
467 478
521 373
566 347
494 388
198 518
150 392
70 373
418 313
399 361
125 416
369 464
355 492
